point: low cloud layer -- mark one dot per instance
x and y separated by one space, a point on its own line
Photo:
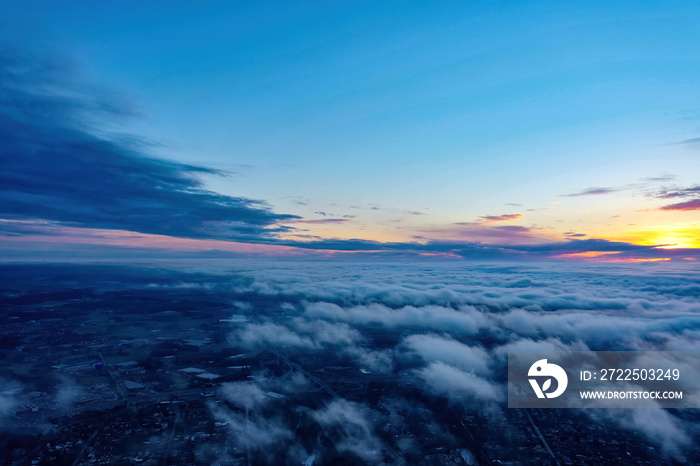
350 428
396 342
454 325
433 348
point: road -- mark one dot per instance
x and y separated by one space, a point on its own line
544 441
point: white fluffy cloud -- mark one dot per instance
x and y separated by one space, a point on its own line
465 320
350 426
458 322
446 380
269 334
433 348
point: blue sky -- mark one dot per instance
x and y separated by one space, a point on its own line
374 112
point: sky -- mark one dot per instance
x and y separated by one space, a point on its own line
487 130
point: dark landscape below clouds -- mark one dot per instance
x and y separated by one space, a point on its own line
302 362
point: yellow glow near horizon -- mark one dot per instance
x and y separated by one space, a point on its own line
685 235
673 243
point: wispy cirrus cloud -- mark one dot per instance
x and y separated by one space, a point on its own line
594 191
684 142
320 221
500 218
487 232
675 192
662 177
691 193
693 204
